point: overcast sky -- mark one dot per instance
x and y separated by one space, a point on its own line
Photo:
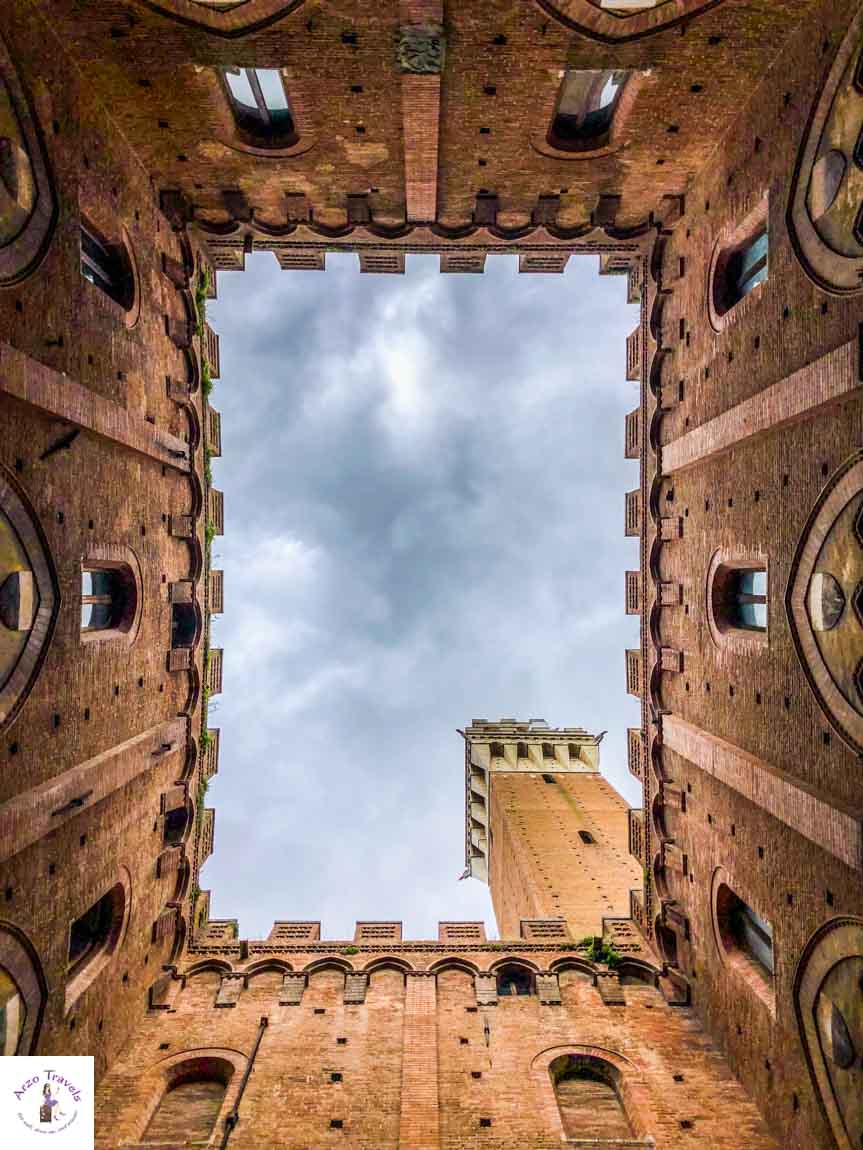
424 488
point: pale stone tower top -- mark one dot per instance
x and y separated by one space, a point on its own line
511 747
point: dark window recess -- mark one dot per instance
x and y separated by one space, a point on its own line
107 598
183 625
740 269
744 932
91 932
107 266
586 837
740 598
260 106
174 827
514 980
585 110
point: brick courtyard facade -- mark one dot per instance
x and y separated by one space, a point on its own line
685 974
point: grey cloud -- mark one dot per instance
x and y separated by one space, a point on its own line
424 524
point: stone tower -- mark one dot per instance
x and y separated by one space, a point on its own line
544 829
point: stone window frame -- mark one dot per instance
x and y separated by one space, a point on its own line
19 959
115 556
127 305
632 1088
735 960
22 256
734 236
724 634
86 974
158 1079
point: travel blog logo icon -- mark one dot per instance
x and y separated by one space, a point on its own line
48 1096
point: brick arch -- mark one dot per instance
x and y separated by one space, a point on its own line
25 250
572 963
268 966
836 944
158 1078
514 960
820 252
389 962
633 1089
588 18
19 958
17 679
209 966
331 962
247 16
453 963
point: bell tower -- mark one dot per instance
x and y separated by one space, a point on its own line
544 829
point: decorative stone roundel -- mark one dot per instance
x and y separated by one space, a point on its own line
824 600
628 21
828 987
827 201
28 598
27 207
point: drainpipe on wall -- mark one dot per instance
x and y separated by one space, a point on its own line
234 1117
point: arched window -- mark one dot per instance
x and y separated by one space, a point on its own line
13 1014
585 109
260 106
189 1109
183 625
745 936
739 598
108 600
588 1098
174 827
740 263
107 266
514 980
94 937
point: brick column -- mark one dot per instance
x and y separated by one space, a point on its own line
419 1126
421 118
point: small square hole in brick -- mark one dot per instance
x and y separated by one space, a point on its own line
471 1009
829 897
341 1042
761 852
476 1074
463 1041
485 1122
336 1076
336 1123
164 1046
686 1124
678 1077
320 1010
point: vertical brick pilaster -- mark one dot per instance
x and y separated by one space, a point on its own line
421 99
419 1127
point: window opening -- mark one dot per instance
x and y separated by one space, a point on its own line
95 931
586 837
260 104
740 598
107 598
588 1099
585 108
105 266
743 264
746 937
189 1109
514 980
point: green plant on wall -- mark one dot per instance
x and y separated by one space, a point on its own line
599 951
